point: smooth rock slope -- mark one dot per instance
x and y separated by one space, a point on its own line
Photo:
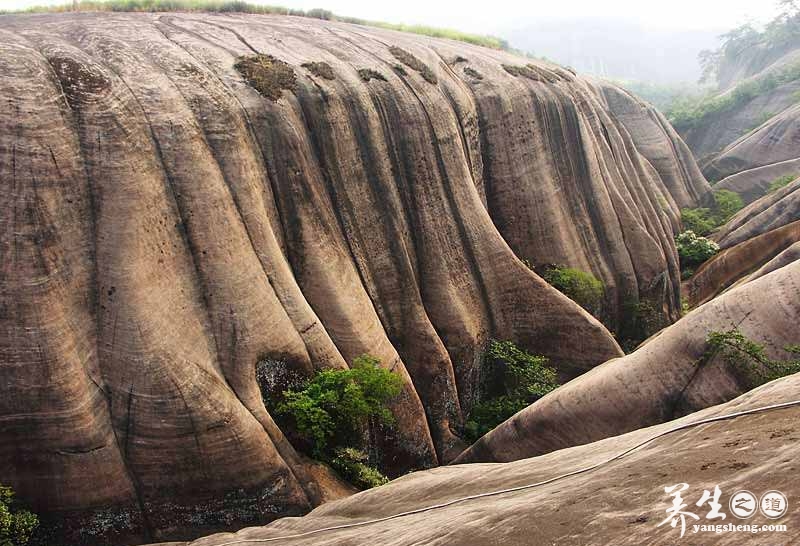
620 502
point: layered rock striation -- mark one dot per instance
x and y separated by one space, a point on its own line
169 223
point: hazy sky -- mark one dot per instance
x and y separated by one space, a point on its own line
490 16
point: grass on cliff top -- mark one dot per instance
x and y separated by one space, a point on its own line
237 6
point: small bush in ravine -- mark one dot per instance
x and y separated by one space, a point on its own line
367 74
693 250
700 220
782 182
726 204
750 358
16 525
334 410
352 465
413 63
703 221
512 380
581 287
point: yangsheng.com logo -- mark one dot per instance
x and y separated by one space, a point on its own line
743 504
742 528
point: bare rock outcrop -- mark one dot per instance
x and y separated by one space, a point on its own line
659 143
167 225
753 184
775 141
772 211
760 234
571 507
666 377
739 263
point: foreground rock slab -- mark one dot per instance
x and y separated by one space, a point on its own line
621 502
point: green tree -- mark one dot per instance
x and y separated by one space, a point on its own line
750 358
699 220
16 525
513 379
703 221
334 408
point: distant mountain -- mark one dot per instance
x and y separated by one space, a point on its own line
616 49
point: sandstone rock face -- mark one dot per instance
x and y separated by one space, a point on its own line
665 378
166 226
709 140
745 147
739 263
776 141
754 183
772 211
621 502
750 64
758 239
659 143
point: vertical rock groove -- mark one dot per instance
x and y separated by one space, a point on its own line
166 227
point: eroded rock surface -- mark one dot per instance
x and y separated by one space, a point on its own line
665 378
755 183
758 239
776 141
165 226
772 211
578 509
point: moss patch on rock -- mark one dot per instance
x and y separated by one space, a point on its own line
413 63
472 73
520 71
368 74
320 69
267 75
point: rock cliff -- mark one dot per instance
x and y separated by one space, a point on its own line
169 221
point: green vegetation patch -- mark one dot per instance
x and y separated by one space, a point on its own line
267 75
237 6
320 69
782 182
512 380
491 42
332 414
690 113
749 358
16 525
581 287
413 63
703 221
368 74
781 33
353 465
693 250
